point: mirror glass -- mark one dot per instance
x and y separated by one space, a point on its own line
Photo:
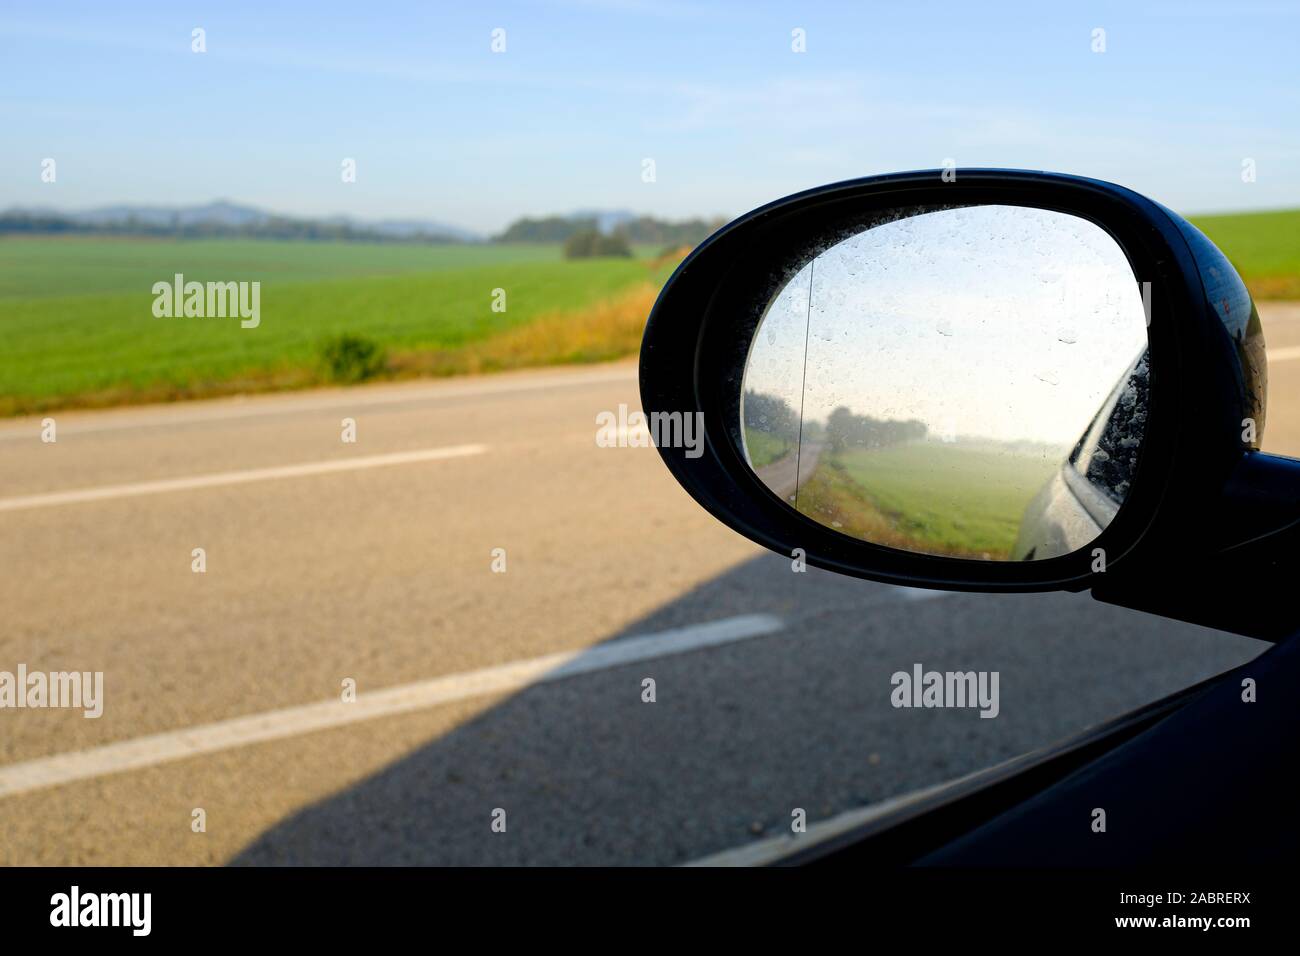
968 382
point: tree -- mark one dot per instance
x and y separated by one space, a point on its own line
590 244
769 413
844 431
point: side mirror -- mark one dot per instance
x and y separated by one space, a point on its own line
998 381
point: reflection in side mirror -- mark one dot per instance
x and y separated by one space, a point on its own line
967 382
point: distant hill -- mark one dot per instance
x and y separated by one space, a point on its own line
226 219
633 227
220 213
223 219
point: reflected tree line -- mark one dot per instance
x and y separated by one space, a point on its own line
844 430
768 413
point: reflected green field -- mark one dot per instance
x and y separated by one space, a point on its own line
765 448
959 499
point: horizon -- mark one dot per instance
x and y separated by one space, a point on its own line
575 214
558 214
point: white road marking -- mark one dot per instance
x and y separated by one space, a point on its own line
290 722
1283 355
108 492
219 410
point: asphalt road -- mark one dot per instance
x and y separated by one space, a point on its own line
479 690
780 475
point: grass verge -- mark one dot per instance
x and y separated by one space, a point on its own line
922 496
608 329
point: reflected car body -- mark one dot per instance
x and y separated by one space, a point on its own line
1082 498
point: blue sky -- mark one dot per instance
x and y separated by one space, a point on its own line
443 128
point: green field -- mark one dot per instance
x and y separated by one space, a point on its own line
79 328
1263 246
76 312
75 266
765 448
953 499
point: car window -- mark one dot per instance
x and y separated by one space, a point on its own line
1108 452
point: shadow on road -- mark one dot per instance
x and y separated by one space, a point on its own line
741 734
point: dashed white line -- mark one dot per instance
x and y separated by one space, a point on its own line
290 722
109 492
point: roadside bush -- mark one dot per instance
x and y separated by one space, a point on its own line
352 358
